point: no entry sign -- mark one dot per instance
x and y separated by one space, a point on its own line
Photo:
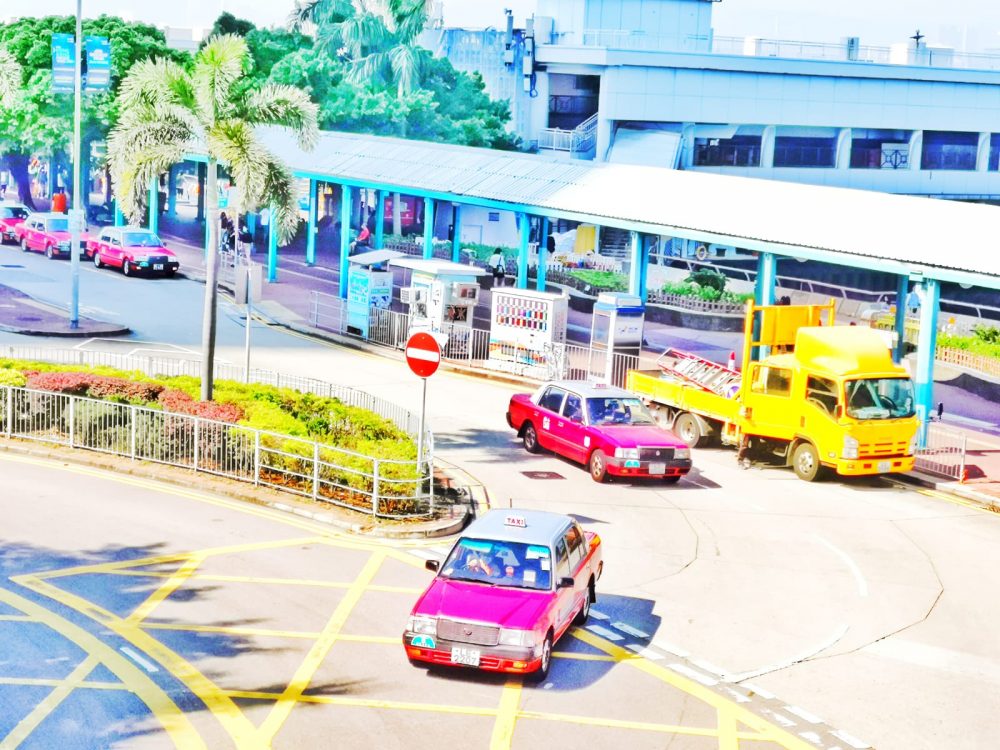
423 354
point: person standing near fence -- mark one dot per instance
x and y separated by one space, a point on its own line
498 265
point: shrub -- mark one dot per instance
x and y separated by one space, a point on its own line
987 334
609 281
12 378
706 278
94 386
181 403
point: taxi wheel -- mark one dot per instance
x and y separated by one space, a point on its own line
584 613
49 254
530 439
97 260
24 246
543 671
598 466
126 269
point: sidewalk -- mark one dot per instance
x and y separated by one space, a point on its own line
22 314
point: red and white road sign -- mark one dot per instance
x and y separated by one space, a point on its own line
423 354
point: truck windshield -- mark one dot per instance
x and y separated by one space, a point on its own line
499 563
618 411
879 398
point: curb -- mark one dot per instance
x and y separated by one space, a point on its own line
952 488
79 333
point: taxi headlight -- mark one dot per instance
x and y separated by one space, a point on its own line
627 453
422 625
850 450
524 638
684 453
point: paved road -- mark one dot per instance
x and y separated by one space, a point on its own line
863 603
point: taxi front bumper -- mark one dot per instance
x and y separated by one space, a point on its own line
629 467
431 650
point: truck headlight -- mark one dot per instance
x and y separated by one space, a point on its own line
850 447
627 453
422 625
684 453
523 638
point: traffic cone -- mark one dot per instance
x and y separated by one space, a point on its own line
732 361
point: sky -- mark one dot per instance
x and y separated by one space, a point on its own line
969 24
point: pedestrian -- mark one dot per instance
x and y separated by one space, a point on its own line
225 232
363 240
498 265
245 238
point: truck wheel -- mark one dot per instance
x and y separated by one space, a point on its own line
688 428
805 462
530 439
598 466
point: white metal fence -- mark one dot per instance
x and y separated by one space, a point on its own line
384 488
944 454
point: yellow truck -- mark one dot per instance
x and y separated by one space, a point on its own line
810 394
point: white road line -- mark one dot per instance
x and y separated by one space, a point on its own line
644 651
789 662
862 583
708 666
144 663
780 718
671 648
737 695
811 737
695 675
626 628
759 691
598 615
604 633
804 715
852 741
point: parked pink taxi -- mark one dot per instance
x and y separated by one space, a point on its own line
509 589
605 428
11 214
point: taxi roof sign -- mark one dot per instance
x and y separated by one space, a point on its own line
519 521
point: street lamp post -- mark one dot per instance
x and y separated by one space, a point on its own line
76 215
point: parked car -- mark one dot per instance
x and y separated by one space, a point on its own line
605 428
47 233
511 586
11 214
132 249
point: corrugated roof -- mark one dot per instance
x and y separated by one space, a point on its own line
879 230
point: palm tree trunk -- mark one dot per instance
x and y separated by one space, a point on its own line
208 322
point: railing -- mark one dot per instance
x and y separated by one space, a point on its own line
961 358
640 41
944 454
580 140
658 297
555 139
385 488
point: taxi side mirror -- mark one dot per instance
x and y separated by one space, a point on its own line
433 565
566 583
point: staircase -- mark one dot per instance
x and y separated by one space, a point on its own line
615 243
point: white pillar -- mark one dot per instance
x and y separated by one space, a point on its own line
767 147
983 153
916 149
687 146
844 139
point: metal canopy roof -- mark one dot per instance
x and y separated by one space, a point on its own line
941 239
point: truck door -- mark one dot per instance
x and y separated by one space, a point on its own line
771 411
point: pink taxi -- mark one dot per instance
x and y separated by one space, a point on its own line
11 214
509 589
605 428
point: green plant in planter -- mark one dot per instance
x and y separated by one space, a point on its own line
706 278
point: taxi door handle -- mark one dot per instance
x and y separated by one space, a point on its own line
560 424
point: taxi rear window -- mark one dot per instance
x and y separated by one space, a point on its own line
500 563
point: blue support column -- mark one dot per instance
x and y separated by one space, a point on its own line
154 204
428 228
272 247
926 343
311 223
172 192
524 226
767 274
345 237
119 216
543 255
456 237
638 271
380 220
902 290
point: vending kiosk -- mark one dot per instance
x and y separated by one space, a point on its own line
617 329
526 327
369 286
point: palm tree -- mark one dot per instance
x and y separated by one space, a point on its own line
169 112
10 77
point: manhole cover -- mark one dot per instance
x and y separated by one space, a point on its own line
542 475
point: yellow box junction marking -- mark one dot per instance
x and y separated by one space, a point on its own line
510 702
173 583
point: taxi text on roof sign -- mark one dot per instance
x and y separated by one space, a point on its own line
519 521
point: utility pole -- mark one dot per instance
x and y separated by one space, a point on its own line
76 218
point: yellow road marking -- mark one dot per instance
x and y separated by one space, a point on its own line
728 735
582 657
173 583
304 674
266 580
39 682
337 700
228 714
48 704
953 499
510 702
693 689
173 720
229 630
15 618
595 721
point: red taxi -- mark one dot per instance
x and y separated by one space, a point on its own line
511 586
605 428
132 249
47 233
11 214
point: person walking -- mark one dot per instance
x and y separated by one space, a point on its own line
498 265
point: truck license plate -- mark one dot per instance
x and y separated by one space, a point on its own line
157 266
467 656
884 466
657 468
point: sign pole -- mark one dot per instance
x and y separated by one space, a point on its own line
420 436
75 220
246 361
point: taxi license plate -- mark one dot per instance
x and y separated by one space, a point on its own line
657 468
157 266
467 656
884 466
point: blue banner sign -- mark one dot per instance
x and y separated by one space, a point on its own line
63 63
98 63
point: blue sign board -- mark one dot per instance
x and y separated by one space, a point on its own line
63 63
98 63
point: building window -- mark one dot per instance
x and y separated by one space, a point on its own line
994 152
947 150
792 151
738 151
875 153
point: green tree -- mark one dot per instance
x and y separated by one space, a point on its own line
168 111
10 77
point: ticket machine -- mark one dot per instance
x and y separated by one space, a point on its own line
369 288
617 329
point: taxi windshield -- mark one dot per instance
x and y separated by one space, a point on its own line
499 563
617 410
879 398
13 212
57 225
140 239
